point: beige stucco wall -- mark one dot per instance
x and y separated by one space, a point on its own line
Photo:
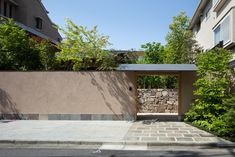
187 80
67 93
204 36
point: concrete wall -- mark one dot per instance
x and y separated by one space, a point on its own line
68 95
186 89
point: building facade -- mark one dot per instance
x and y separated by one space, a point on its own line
214 23
32 16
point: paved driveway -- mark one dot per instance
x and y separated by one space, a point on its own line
94 131
143 133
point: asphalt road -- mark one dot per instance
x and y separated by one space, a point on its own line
43 152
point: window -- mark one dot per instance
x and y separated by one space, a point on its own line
38 23
0 6
11 11
217 35
5 8
225 32
222 32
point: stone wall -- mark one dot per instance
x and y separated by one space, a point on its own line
158 100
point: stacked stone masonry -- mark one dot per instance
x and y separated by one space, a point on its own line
158 100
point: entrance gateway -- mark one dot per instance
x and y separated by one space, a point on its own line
179 100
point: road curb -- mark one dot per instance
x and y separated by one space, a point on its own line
149 144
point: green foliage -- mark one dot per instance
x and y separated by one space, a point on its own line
155 82
125 58
17 49
83 48
212 109
145 82
214 75
154 53
47 55
181 46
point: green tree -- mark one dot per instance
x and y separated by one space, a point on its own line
84 49
47 55
181 46
214 79
154 53
17 49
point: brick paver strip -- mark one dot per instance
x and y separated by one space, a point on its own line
149 139
207 135
188 128
163 126
191 135
202 139
184 139
150 132
181 132
166 131
175 135
160 135
197 132
166 139
172 128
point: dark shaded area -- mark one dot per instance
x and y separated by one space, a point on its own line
33 152
8 108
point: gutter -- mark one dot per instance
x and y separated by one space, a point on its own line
197 13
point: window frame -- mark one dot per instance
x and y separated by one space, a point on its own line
221 28
39 23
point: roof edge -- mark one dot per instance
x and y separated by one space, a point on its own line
158 67
197 13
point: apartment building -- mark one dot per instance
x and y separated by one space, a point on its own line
32 16
214 24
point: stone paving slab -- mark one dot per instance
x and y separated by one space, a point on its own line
168 133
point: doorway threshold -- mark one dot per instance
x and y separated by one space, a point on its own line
161 114
161 117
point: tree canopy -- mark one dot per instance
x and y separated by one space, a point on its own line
84 48
17 51
181 46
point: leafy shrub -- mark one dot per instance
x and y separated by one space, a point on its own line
214 107
17 49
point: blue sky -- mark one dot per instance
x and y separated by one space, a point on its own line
128 23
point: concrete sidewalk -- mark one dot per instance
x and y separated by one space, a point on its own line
107 134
